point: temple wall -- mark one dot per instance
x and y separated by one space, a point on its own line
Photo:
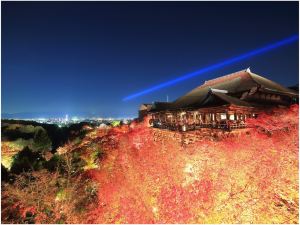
191 137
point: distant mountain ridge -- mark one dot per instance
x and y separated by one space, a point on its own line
46 115
33 115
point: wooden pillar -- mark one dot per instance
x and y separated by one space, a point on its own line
227 116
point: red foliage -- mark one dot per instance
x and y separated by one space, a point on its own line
148 176
276 119
175 205
146 181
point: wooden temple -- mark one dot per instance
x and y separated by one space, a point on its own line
225 102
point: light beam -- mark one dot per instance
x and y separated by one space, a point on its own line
218 65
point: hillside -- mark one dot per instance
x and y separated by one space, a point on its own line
137 174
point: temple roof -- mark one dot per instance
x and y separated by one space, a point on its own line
145 106
227 88
218 97
158 106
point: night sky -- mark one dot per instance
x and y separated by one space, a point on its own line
76 57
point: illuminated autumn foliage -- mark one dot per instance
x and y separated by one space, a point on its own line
249 177
147 175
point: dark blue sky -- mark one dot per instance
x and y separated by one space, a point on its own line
72 57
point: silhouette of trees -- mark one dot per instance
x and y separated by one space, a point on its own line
41 141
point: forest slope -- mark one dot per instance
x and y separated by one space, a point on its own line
144 175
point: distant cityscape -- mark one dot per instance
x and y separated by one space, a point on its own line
66 120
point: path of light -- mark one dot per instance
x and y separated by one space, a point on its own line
227 62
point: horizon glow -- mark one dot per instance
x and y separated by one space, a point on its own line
215 66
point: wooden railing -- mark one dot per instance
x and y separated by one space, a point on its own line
225 126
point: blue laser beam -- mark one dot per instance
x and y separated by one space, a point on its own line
218 65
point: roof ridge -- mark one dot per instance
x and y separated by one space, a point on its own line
225 77
209 83
252 75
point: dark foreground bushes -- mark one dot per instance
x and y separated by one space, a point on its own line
61 194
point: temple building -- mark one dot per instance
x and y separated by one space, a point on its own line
144 110
225 102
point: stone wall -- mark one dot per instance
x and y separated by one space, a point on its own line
191 137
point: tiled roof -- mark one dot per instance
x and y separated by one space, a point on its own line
235 84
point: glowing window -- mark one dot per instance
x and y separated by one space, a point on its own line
231 117
223 116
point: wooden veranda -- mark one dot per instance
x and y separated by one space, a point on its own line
230 117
